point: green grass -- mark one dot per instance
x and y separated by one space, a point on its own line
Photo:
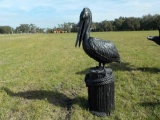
42 77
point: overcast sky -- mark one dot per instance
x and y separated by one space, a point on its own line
50 13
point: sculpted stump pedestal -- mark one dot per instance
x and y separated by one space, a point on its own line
100 83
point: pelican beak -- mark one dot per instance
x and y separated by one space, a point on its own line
150 38
80 35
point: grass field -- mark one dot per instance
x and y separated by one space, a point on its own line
42 77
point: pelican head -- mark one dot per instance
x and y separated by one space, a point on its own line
84 25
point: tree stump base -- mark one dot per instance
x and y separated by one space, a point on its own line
100 83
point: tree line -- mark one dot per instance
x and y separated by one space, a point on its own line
23 28
146 22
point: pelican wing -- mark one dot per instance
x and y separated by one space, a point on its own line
104 48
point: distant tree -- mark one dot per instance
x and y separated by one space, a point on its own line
74 27
93 26
131 24
33 28
40 30
27 28
5 30
24 28
100 27
110 26
118 23
67 26
104 25
155 21
146 22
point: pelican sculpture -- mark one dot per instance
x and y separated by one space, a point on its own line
103 51
155 39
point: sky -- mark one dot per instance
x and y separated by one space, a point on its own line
50 13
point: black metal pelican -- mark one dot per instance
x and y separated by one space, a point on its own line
155 39
102 51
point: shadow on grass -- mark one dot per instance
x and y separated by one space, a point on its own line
114 66
150 104
83 71
148 69
55 98
124 66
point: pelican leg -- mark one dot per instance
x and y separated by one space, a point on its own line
99 64
103 65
